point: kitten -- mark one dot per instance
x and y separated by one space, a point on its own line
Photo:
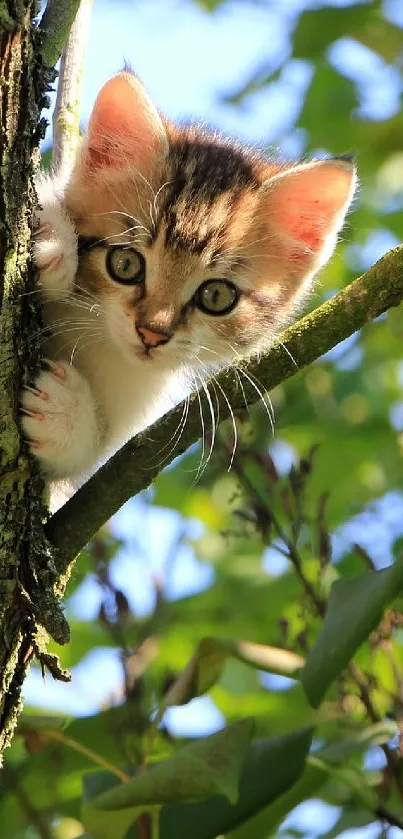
188 252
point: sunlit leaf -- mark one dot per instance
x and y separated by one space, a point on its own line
206 665
317 29
354 610
210 766
271 766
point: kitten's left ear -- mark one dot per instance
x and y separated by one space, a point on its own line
305 209
125 126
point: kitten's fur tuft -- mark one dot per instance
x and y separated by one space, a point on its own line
196 207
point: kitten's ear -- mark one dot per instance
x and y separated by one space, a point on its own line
306 207
124 126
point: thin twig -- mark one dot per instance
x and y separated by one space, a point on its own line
66 117
291 553
394 761
142 825
93 756
55 26
383 814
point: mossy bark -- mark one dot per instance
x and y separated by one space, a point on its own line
27 577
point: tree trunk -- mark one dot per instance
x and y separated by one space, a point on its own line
27 577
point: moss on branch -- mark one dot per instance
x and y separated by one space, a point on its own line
55 26
131 469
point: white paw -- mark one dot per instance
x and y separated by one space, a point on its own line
59 421
54 245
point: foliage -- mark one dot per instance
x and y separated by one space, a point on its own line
330 620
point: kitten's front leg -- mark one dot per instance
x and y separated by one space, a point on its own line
59 413
60 421
54 246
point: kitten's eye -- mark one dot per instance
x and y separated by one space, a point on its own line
216 297
125 265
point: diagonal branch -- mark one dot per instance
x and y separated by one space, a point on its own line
134 467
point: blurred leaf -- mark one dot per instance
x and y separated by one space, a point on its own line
260 80
210 766
355 608
354 779
209 5
206 665
271 766
314 777
317 29
46 158
335 98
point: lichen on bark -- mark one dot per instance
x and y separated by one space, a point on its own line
26 564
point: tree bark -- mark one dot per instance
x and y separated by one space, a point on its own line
27 576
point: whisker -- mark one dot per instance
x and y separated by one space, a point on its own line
213 423
235 443
287 351
269 411
202 427
179 429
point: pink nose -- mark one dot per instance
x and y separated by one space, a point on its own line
150 338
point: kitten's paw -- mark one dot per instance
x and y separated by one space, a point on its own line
59 421
54 246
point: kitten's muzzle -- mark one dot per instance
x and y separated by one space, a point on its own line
151 337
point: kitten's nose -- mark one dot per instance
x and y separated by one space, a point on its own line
152 338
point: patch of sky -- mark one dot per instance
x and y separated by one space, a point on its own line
179 64
338 353
200 716
95 683
283 454
275 108
375 529
312 816
274 563
393 11
379 84
378 242
159 541
396 416
375 759
276 684
372 831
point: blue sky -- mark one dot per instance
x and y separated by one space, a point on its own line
189 61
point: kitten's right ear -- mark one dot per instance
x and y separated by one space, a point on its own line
125 126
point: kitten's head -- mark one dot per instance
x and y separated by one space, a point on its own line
198 248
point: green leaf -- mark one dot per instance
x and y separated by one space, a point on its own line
314 777
206 665
271 766
210 766
353 778
209 5
317 29
359 742
335 98
354 610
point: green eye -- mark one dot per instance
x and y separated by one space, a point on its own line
216 297
125 265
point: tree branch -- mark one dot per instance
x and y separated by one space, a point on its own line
66 118
55 26
135 466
